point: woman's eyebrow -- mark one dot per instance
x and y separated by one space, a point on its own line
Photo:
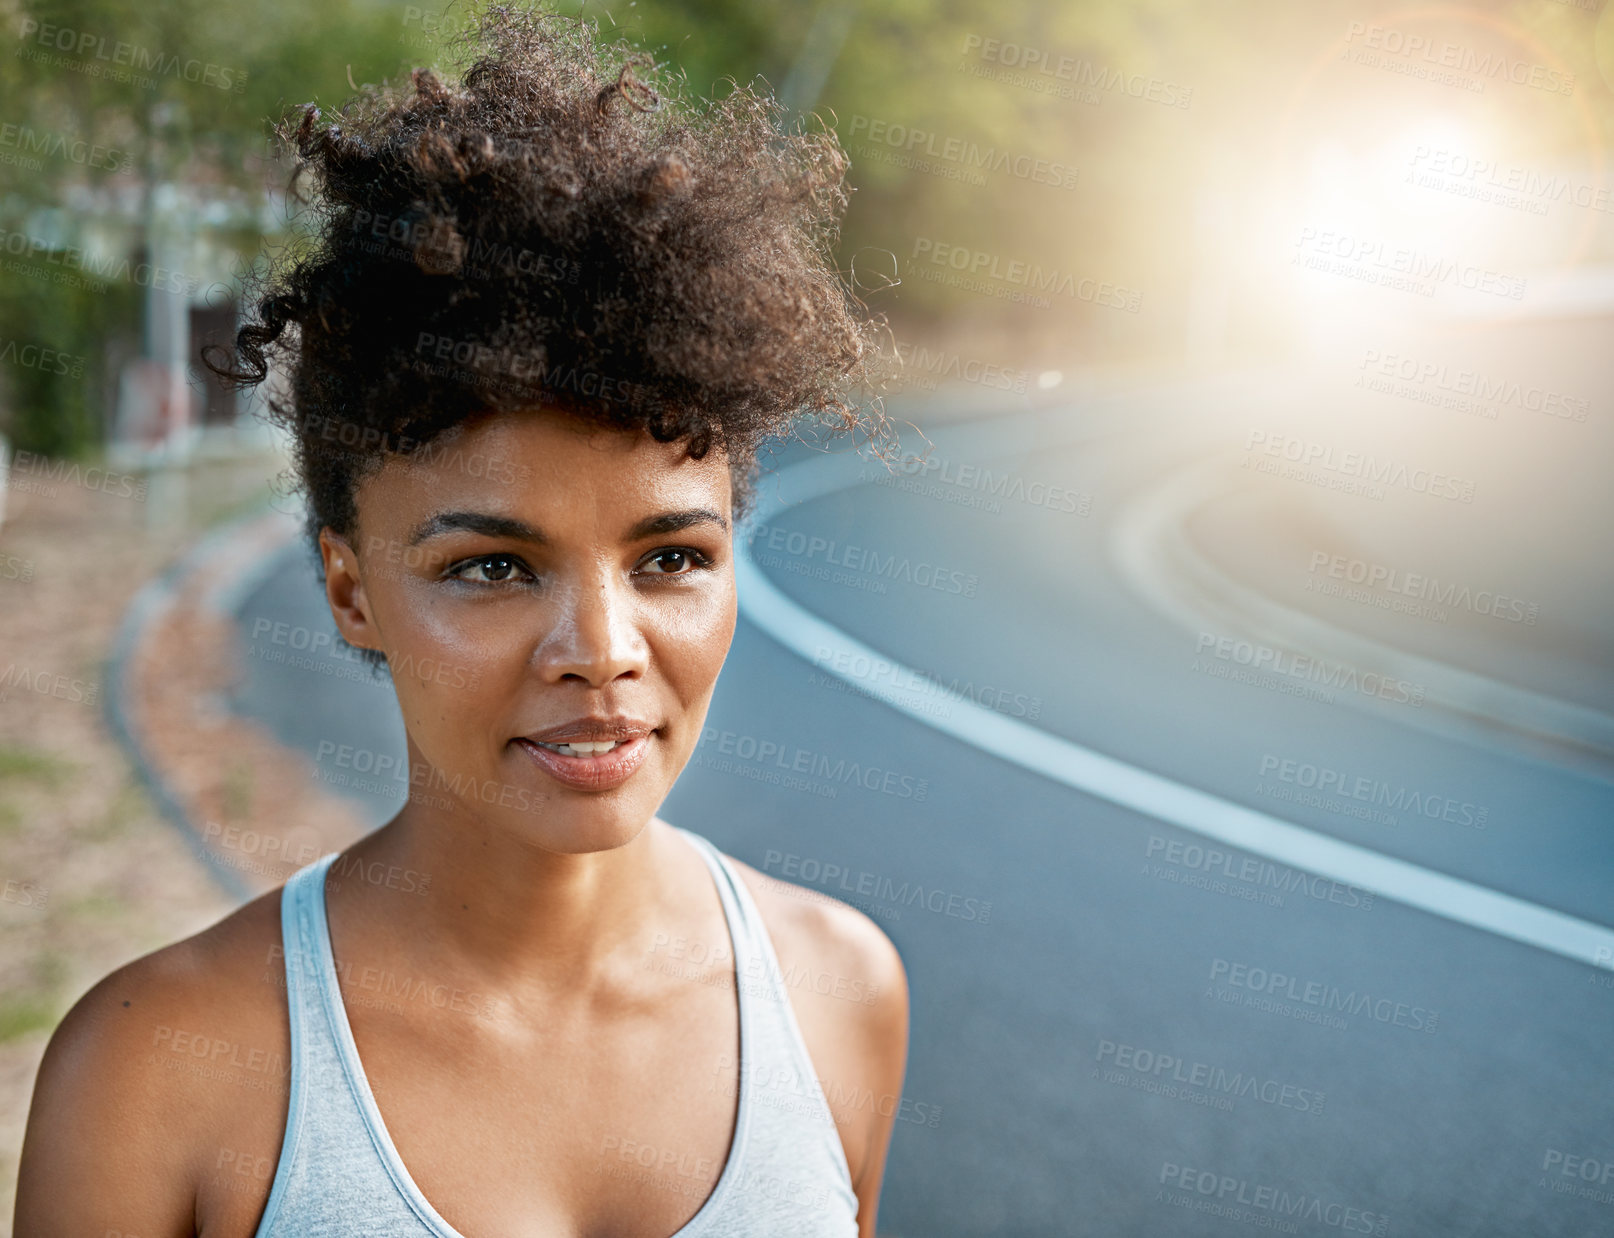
504 526
475 522
671 522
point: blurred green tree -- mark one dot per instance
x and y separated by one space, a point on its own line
1142 171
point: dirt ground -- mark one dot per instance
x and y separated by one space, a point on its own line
91 875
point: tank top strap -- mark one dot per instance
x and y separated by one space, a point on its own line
304 1011
304 943
334 1166
785 1090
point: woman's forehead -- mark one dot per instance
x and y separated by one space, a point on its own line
532 459
554 428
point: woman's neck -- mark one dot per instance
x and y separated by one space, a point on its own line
505 915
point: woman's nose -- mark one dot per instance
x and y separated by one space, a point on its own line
595 634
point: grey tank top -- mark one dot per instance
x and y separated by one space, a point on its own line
339 1175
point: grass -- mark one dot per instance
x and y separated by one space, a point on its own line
33 766
22 1014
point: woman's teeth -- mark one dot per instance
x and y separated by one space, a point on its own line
582 749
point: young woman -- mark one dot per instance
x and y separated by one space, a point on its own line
546 322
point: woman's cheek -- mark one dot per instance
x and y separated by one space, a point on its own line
691 651
447 644
701 634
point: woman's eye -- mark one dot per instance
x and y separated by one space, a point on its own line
676 559
489 569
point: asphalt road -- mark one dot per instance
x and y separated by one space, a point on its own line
1146 1032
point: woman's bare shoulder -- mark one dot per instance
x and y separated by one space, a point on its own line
824 932
849 989
211 981
147 1070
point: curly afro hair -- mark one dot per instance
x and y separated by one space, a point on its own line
568 228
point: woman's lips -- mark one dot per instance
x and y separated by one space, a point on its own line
600 772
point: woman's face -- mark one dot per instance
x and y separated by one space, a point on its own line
530 577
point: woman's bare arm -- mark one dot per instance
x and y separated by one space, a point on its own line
165 1062
103 1153
886 1032
860 1047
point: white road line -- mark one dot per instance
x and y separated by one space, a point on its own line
835 652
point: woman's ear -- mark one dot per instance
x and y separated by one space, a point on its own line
344 590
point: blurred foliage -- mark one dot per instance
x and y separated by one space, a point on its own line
90 329
1143 169
79 143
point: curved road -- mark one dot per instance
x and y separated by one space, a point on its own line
1121 1026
